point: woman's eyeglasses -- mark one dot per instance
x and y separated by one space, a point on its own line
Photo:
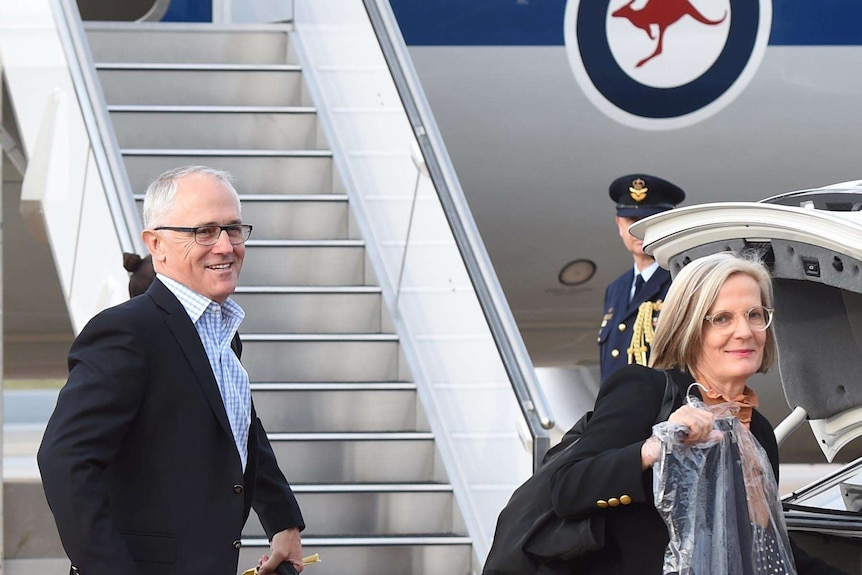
759 318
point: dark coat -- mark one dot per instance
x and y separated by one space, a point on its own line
609 467
615 334
138 460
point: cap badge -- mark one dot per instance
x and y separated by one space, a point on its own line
638 190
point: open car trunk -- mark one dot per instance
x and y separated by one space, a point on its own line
811 241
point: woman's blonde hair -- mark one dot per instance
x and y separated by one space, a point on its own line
678 339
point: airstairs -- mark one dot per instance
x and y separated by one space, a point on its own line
327 377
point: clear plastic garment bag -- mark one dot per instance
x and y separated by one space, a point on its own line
720 502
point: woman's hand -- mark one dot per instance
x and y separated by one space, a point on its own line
699 423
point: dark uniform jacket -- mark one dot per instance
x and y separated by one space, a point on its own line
615 335
138 460
606 478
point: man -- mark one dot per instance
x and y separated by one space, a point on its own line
154 454
633 300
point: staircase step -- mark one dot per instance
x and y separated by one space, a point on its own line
43 566
292 289
312 357
419 555
216 127
315 263
311 218
190 43
295 217
202 85
333 311
328 458
371 510
337 407
254 171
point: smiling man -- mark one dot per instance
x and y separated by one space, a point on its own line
154 454
633 300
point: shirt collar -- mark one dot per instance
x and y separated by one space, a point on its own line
195 304
647 273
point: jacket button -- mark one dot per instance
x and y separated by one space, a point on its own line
237 489
604 323
599 339
625 499
613 502
621 327
237 544
601 503
615 353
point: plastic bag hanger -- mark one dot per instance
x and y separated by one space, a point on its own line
689 398
731 408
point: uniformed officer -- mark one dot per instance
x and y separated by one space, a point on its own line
633 300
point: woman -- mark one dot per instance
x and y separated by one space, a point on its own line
714 328
141 272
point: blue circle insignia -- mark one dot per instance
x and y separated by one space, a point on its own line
665 64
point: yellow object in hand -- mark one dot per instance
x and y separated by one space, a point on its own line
305 561
311 559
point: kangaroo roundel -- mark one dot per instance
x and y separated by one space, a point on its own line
665 64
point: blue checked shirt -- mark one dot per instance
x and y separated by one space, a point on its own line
216 325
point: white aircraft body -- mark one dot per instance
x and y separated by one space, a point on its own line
542 103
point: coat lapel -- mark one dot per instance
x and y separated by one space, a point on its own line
181 326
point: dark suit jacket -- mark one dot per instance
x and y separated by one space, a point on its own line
609 466
138 460
620 312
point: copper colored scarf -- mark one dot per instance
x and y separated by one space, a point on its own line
746 401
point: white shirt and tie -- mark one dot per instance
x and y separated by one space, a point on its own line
641 277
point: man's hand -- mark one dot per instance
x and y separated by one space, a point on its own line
286 546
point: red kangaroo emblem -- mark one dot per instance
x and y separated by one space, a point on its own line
662 13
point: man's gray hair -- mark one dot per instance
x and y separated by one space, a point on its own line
159 199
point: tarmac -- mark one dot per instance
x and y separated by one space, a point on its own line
25 413
31 544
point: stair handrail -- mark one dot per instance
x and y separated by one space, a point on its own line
106 151
507 337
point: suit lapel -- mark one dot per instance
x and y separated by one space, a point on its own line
183 330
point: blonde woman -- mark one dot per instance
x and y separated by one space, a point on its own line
716 329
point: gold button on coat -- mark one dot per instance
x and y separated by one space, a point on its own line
613 502
615 353
625 499
237 489
237 544
621 327
602 503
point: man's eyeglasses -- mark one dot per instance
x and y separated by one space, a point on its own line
209 235
759 318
